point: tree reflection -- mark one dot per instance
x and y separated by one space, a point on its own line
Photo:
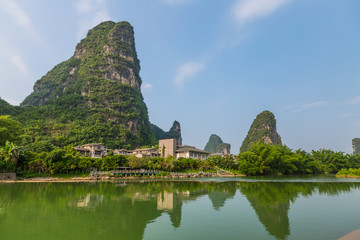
271 200
123 210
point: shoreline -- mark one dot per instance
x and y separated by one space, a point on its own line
105 179
347 176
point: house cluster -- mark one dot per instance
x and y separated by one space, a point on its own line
167 147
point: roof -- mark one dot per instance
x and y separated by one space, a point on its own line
93 144
145 149
81 148
216 154
122 150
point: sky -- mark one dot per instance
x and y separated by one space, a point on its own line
211 65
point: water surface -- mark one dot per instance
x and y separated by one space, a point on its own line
250 208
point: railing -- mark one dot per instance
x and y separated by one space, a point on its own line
191 174
137 171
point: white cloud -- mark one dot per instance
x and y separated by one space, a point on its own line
92 12
247 10
187 71
347 115
353 101
176 2
20 17
19 63
83 6
304 106
313 104
147 86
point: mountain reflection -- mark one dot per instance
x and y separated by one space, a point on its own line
271 200
124 210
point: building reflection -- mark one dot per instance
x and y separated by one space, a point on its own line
125 210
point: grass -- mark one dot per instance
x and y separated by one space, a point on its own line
352 172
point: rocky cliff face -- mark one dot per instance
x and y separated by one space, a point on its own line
223 148
263 127
174 132
356 145
216 145
212 144
107 53
96 93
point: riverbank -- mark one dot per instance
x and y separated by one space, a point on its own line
349 173
104 177
347 176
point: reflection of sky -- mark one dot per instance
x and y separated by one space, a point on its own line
315 216
332 216
201 221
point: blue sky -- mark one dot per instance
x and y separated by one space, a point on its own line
211 65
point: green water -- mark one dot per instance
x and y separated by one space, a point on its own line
280 208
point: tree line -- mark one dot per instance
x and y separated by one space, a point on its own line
260 159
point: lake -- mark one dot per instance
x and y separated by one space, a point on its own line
219 208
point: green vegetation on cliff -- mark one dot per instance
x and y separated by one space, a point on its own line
174 132
263 128
92 97
6 108
216 145
212 144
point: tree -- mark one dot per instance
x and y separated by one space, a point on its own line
9 155
9 129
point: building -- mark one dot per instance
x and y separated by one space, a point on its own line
191 152
93 150
146 152
169 147
124 152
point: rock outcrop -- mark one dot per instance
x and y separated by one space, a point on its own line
216 145
223 148
174 132
356 145
94 96
264 128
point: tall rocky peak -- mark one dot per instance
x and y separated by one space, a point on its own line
174 132
216 145
263 127
114 45
107 53
356 145
212 144
97 91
